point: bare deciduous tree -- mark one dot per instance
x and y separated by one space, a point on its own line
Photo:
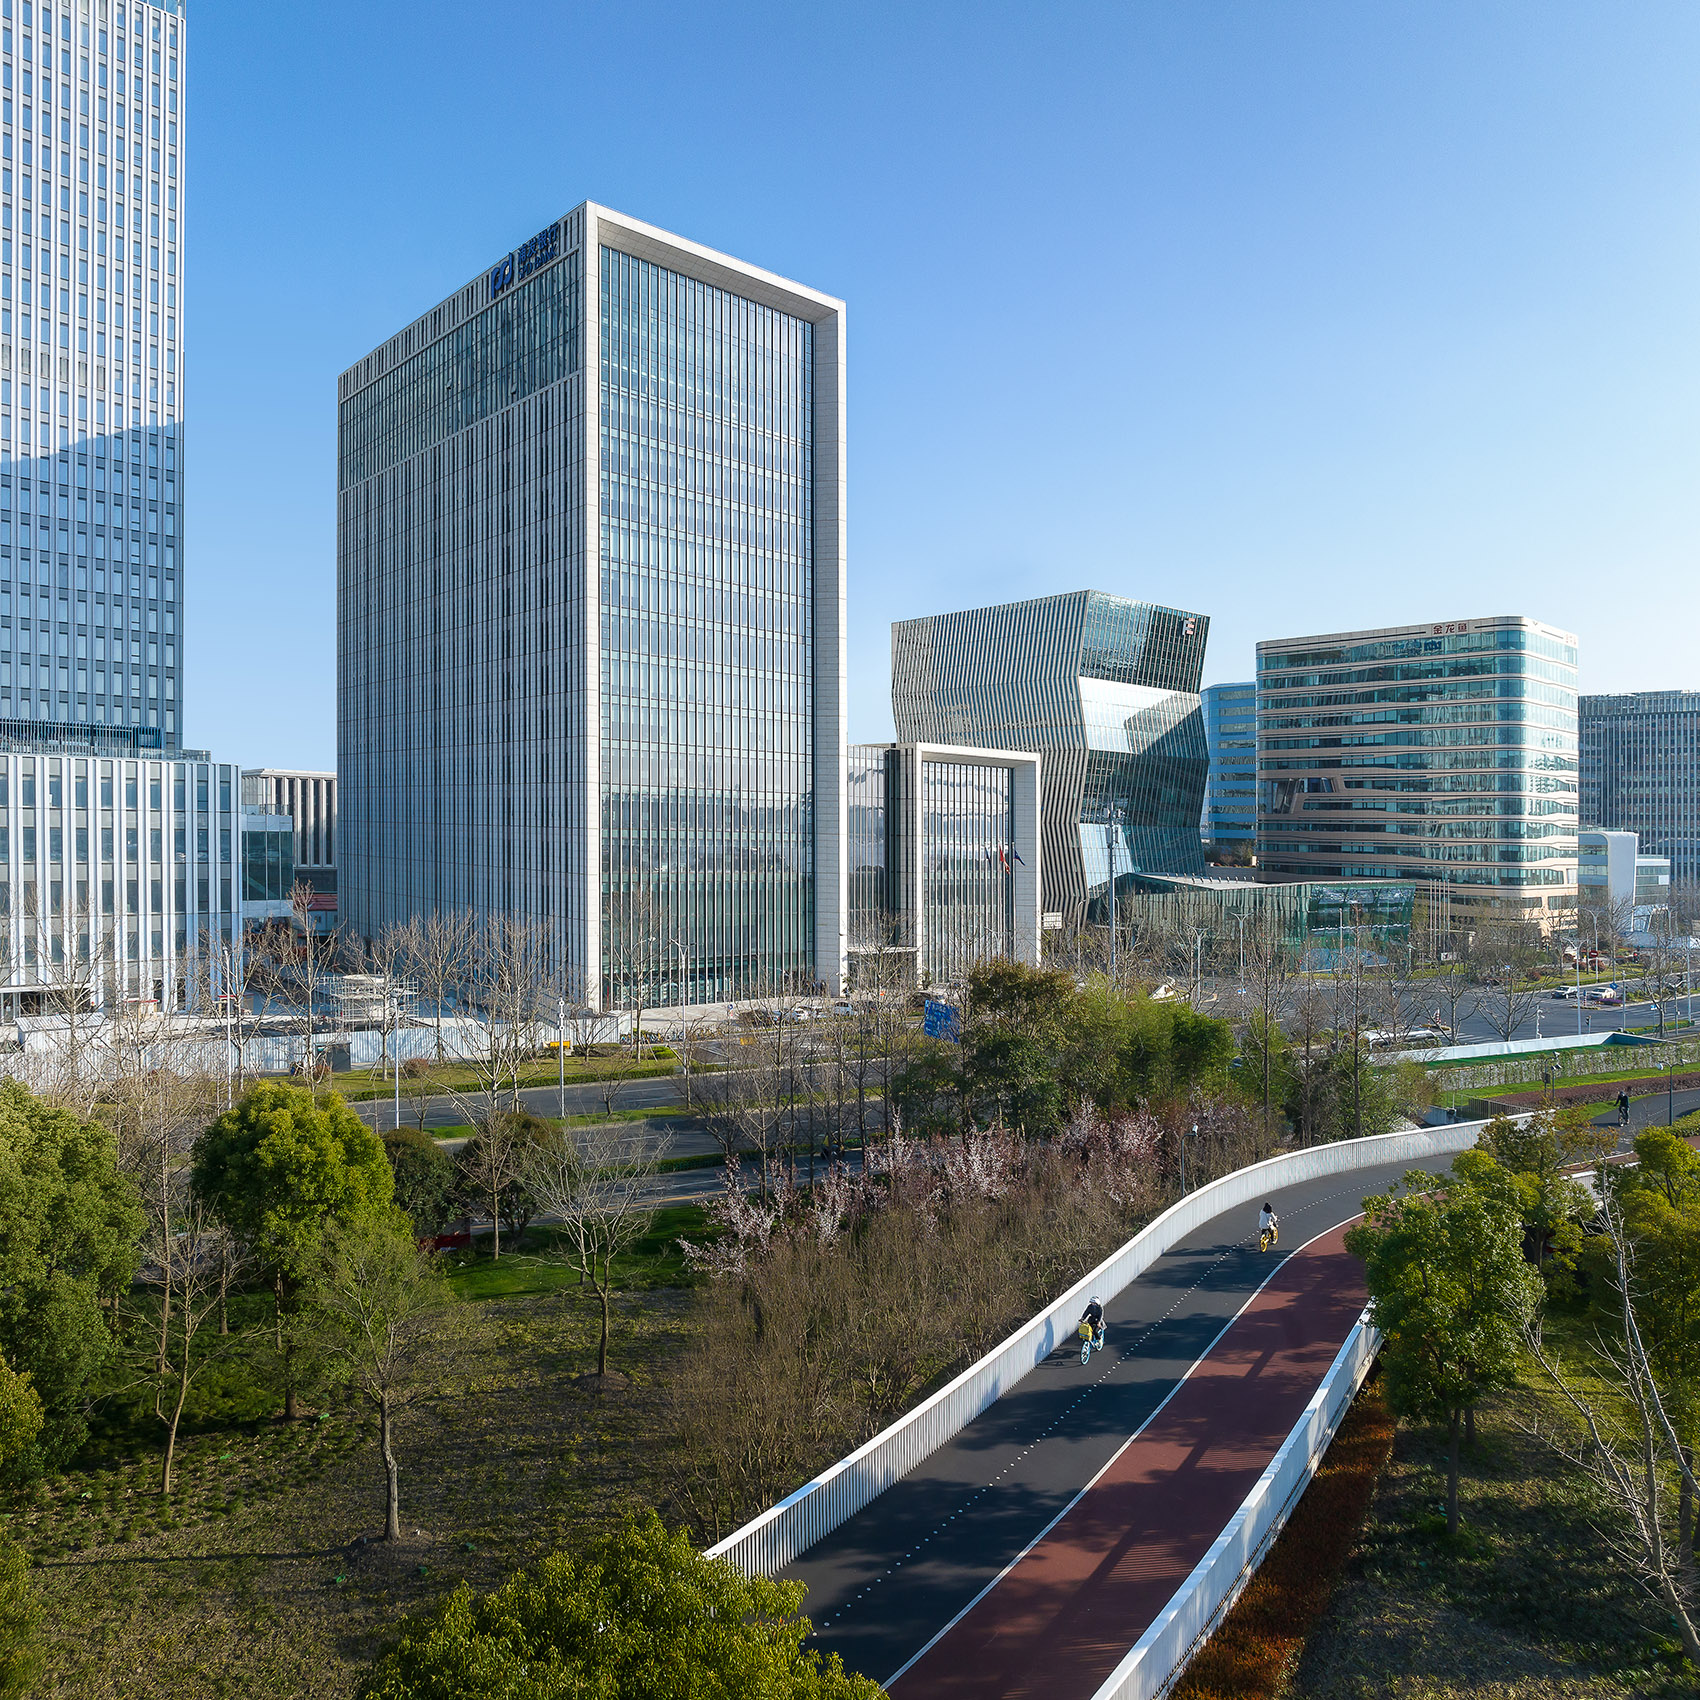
440 950
1631 1452
594 1184
381 1308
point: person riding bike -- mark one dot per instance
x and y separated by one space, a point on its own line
1268 1225
1623 1109
1094 1314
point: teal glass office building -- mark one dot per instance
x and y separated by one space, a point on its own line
1444 753
591 616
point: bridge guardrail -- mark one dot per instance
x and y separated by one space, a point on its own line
782 1533
1159 1658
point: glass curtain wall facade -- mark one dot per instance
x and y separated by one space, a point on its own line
967 874
707 638
1230 798
943 852
590 616
1641 772
1445 753
91 367
118 879
1106 690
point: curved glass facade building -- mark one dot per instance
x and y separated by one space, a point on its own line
590 623
1106 690
1445 753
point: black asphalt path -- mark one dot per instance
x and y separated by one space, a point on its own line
882 1586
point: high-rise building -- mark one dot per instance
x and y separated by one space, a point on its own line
1106 690
91 370
590 567
1444 753
1641 772
943 853
1229 823
120 861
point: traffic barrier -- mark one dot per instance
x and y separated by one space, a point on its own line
786 1530
1160 1656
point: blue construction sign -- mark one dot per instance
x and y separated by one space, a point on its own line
942 1021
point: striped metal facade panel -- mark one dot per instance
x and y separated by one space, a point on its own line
1640 772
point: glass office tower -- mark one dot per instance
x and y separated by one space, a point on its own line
91 371
590 621
1443 753
1106 690
1641 772
1229 823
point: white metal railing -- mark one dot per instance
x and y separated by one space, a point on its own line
784 1531
1161 1654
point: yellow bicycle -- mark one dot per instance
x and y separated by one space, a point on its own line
1268 1236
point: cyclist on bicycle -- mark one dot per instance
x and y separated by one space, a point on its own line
1094 1314
1268 1223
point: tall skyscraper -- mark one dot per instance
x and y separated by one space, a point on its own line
1106 690
1443 752
1641 772
590 568
119 855
1230 798
91 372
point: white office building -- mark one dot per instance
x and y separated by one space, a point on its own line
119 877
944 857
590 570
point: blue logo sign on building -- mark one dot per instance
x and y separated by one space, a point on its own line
530 257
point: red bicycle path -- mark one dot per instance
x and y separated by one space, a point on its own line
1068 1611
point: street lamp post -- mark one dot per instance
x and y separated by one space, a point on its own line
684 998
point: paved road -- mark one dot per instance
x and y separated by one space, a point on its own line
882 1587
1063 1618
584 1099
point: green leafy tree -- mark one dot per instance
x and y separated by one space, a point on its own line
1659 1198
1450 1291
424 1180
1537 1151
69 1230
640 1615
378 1305
20 1653
277 1167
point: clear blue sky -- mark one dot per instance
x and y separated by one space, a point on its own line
1306 316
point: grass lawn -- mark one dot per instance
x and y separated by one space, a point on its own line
536 1266
1526 1604
358 1086
245 1583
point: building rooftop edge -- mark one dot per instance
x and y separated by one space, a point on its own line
1055 596
648 234
1423 628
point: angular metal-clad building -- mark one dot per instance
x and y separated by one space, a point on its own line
1106 691
590 581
